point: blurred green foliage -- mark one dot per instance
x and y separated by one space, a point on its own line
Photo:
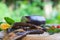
24 8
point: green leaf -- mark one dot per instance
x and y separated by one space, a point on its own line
9 20
57 30
50 31
1 22
0 29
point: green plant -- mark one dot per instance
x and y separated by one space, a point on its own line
9 20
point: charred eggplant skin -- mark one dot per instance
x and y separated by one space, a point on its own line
20 25
36 20
30 21
24 26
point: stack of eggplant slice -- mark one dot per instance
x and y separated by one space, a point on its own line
28 25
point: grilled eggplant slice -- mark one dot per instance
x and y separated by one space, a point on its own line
20 33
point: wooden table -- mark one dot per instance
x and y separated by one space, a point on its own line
37 37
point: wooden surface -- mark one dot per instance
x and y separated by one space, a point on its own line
37 37
44 36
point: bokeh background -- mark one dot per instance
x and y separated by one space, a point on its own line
15 9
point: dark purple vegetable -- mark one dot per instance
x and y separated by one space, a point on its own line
36 20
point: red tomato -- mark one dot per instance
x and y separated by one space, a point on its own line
58 26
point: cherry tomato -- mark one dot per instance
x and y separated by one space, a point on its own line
58 26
